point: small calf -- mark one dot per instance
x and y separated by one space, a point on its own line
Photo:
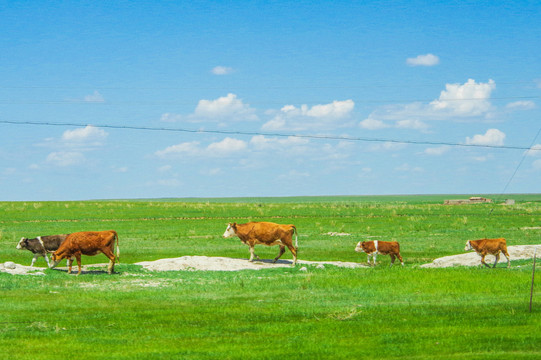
41 246
488 246
372 248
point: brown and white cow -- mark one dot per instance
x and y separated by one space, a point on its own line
488 246
87 243
41 246
265 233
373 248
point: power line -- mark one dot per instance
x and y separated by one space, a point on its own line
255 133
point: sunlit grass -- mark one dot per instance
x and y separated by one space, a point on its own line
400 312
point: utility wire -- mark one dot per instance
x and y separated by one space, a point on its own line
255 133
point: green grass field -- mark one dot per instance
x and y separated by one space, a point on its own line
376 313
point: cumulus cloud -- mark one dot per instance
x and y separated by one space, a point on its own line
65 158
468 99
222 70
534 150
225 147
493 137
521 105
436 151
423 60
88 134
456 102
182 149
373 124
261 142
320 116
226 107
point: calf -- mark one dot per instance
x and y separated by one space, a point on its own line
373 248
41 246
265 233
488 246
87 243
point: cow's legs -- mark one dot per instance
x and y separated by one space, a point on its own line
392 259
374 258
497 259
110 254
294 252
70 261
47 259
483 260
368 259
34 259
282 251
78 258
506 254
400 258
252 253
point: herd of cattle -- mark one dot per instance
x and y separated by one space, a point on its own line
70 246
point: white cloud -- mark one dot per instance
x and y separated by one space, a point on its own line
334 110
193 149
226 107
521 105
412 124
373 124
322 116
95 97
65 158
88 134
537 164
423 60
456 102
186 148
226 146
222 70
171 117
493 137
534 150
260 142
436 151
469 99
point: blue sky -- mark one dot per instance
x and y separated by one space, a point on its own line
257 98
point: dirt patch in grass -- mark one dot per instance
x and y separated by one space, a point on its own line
516 252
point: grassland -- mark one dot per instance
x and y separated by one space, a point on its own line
382 312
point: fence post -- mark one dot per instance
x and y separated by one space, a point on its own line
533 275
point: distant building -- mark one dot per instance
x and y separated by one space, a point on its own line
472 200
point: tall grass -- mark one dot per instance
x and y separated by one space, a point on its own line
382 312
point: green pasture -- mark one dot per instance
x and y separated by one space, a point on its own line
332 313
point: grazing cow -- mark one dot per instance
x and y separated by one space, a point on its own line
87 243
373 248
488 246
41 246
265 233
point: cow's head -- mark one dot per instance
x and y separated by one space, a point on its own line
230 231
359 247
55 259
468 246
23 243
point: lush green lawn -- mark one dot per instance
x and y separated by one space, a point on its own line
382 312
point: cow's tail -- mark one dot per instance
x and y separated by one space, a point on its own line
296 233
117 248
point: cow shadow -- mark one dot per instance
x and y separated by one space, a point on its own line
88 270
271 261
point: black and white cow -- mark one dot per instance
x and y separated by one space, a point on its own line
42 245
